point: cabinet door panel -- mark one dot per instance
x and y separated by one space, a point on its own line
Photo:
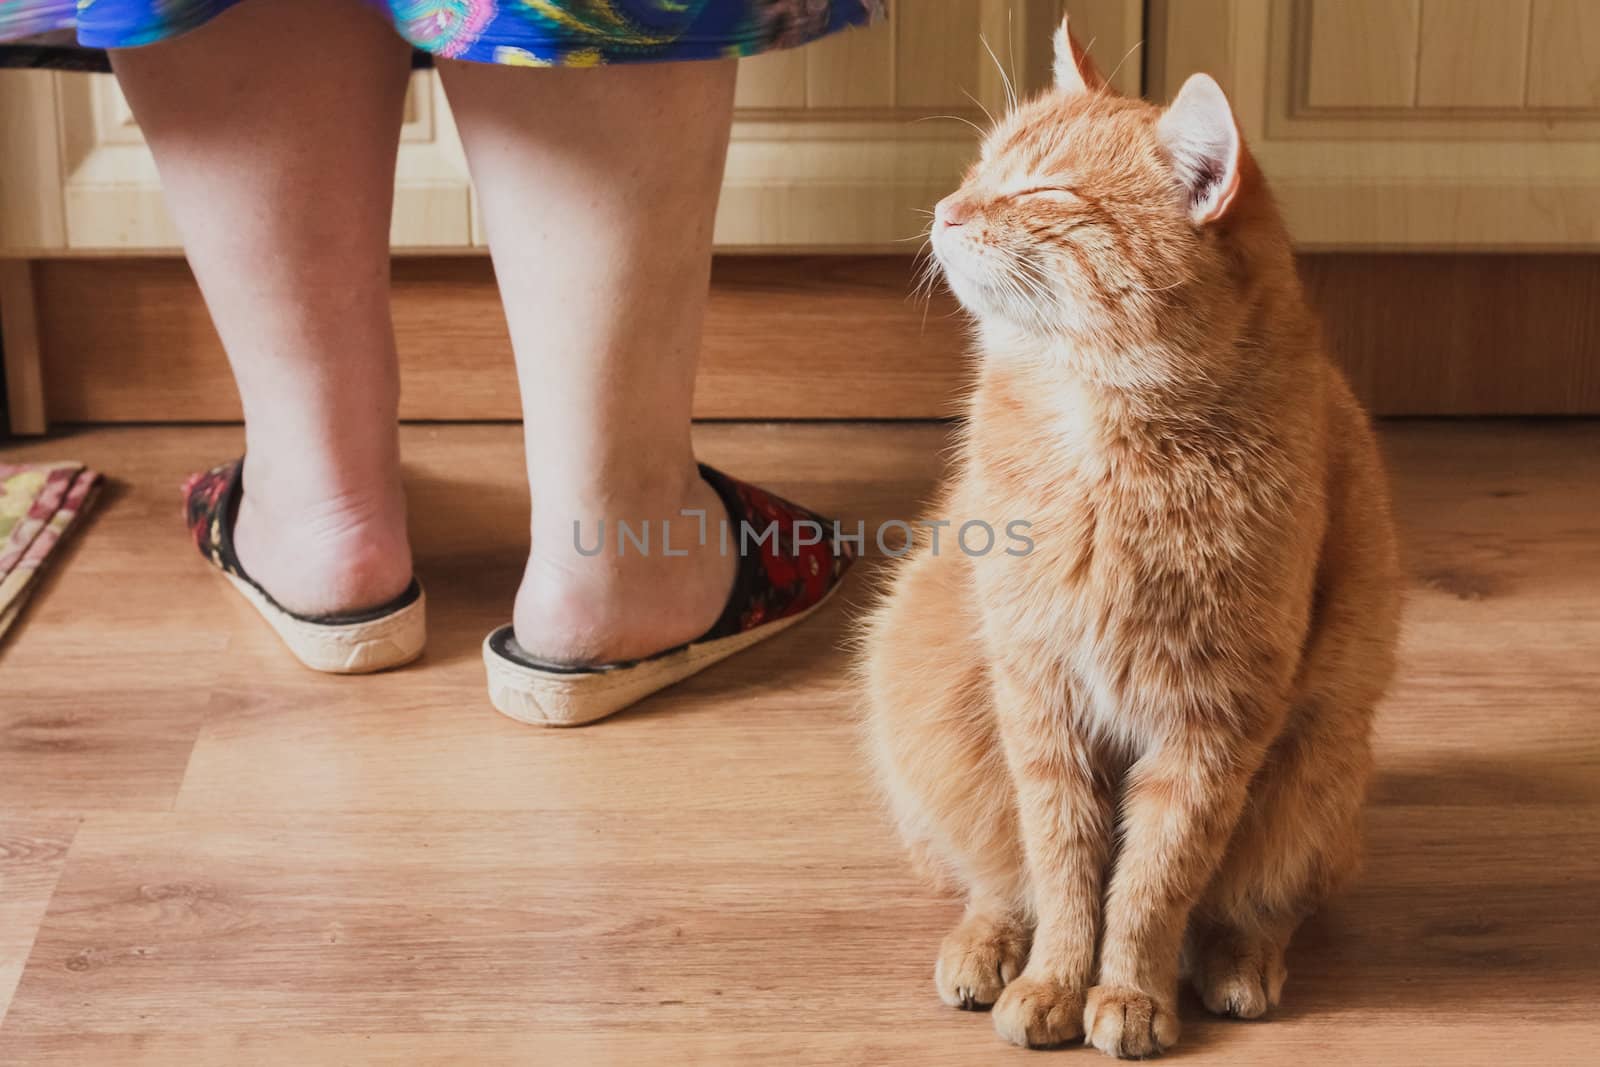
854 69
31 218
1473 53
1362 52
843 144
1414 124
775 80
939 57
1565 35
884 123
111 193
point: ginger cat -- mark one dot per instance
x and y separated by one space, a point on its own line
1147 738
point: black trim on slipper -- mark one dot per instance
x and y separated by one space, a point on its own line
757 587
503 642
211 510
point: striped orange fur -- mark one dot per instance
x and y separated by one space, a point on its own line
1150 734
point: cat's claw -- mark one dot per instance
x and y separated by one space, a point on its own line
976 961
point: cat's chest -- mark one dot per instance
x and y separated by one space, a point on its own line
1070 615
1050 587
1107 511
1121 556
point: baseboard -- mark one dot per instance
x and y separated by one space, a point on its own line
785 338
1460 334
809 337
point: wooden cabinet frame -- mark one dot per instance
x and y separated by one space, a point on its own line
1379 179
842 147
836 146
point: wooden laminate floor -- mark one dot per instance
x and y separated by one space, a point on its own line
209 855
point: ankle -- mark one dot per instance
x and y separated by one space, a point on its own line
632 492
591 596
324 553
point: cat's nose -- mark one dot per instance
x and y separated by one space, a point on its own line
952 210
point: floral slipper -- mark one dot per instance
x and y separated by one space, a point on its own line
354 643
782 577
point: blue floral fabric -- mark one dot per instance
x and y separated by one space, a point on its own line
533 33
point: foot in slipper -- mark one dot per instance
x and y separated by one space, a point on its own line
357 642
789 564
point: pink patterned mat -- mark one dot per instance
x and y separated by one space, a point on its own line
39 503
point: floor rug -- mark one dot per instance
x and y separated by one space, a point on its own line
39 503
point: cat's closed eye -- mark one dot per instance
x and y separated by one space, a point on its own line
1056 191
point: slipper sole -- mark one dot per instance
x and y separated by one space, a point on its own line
548 698
346 648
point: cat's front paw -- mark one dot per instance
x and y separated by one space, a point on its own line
976 961
1127 1023
1039 1013
1244 985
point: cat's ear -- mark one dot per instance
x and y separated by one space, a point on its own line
1074 70
1202 138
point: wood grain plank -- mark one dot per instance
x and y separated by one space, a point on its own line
666 929
1465 501
267 753
19 345
1565 38
125 747
1473 53
854 69
90 715
772 80
1413 1038
838 337
1188 37
1463 334
1363 53
807 337
383 870
937 59
1117 28
33 850
32 216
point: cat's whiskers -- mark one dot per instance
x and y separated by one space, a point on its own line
957 118
926 266
1021 289
993 122
1032 276
1106 90
1011 45
1031 293
1180 283
1005 79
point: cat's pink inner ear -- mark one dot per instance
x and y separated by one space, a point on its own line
1074 71
1202 138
